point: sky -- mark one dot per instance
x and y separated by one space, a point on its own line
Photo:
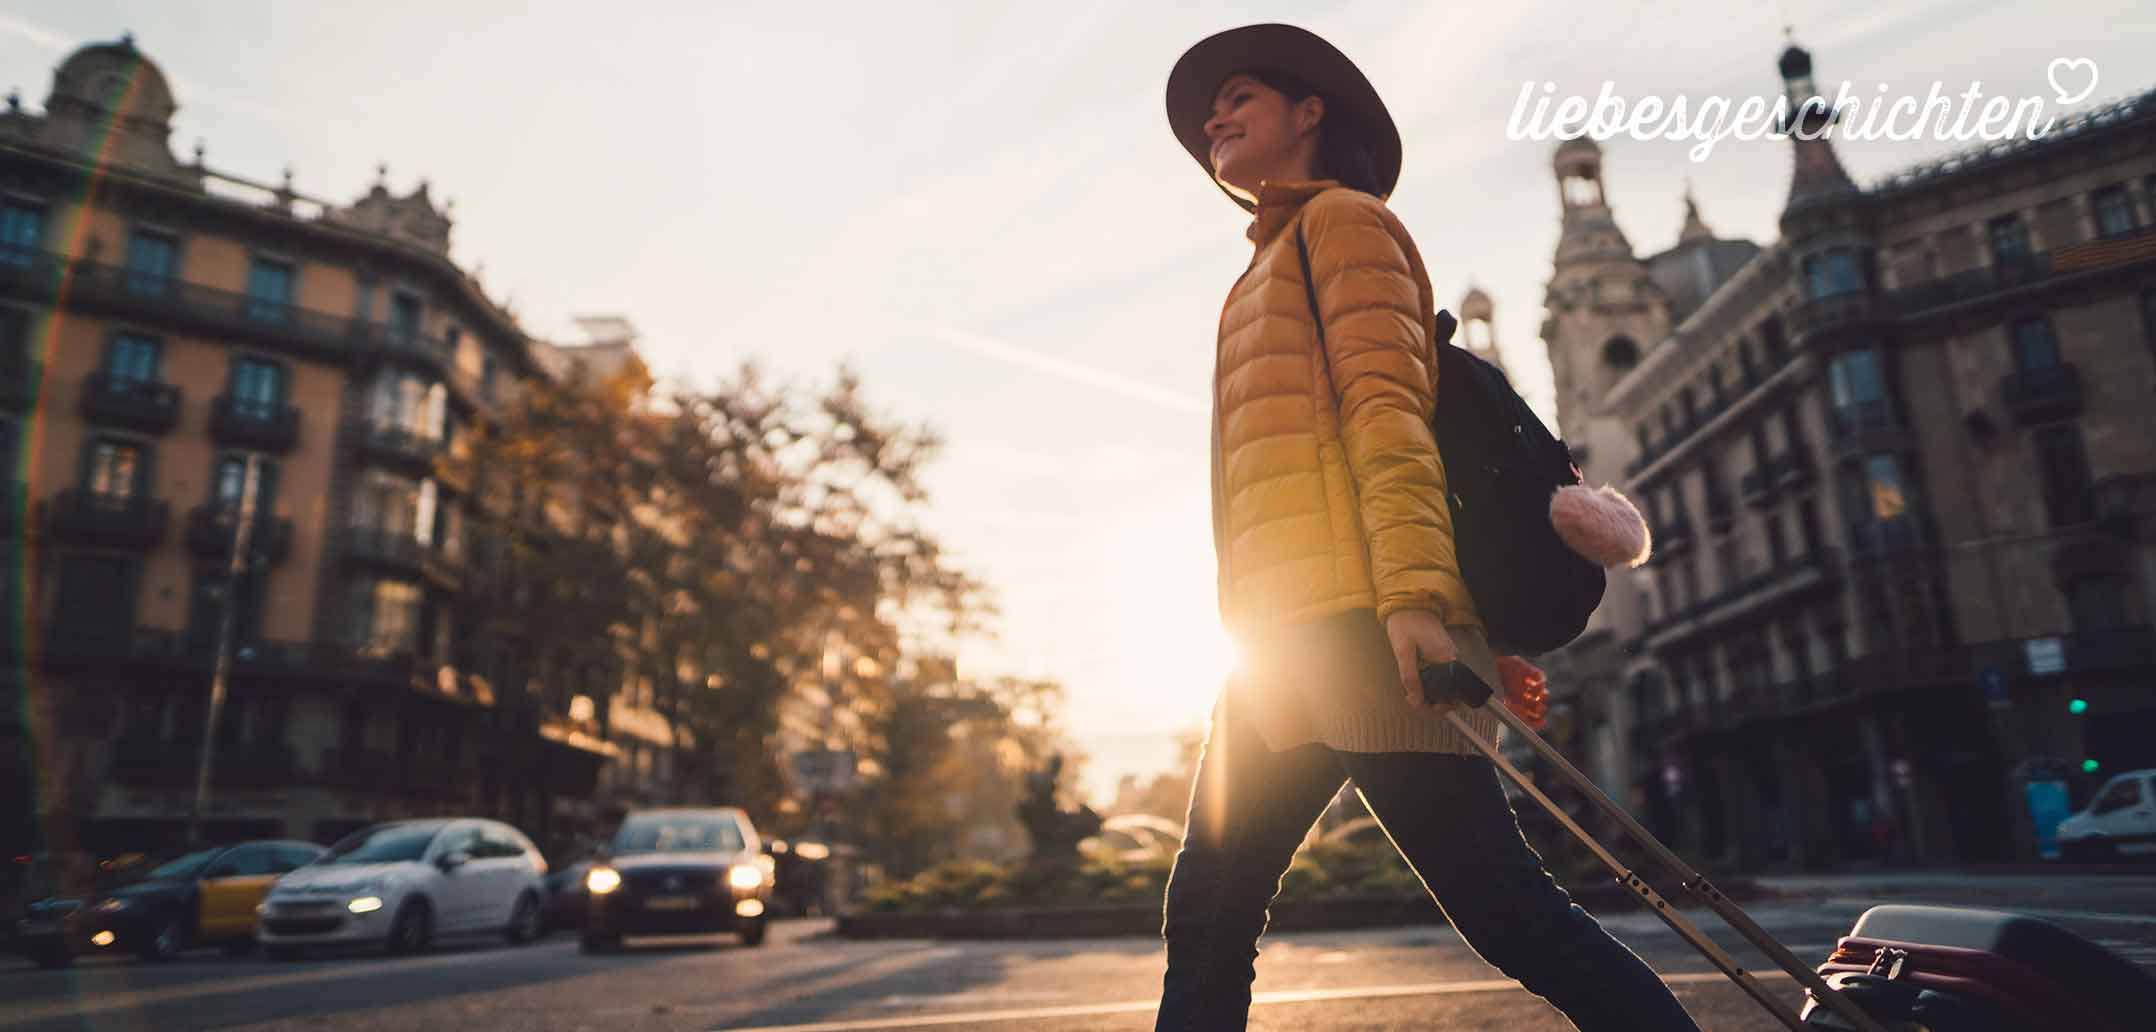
979 207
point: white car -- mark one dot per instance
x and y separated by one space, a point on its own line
2120 820
401 884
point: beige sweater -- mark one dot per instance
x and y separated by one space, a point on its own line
1334 680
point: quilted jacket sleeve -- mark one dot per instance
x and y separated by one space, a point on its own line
1378 352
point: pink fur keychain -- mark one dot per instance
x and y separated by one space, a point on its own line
1601 524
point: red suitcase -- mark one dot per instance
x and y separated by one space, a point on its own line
2019 971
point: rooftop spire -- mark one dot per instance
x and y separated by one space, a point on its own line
1695 228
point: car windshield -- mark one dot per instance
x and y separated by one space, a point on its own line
383 844
181 867
677 833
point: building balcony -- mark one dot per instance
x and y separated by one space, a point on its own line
247 423
1757 487
2038 395
212 529
400 447
1860 416
397 551
145 405
1721 513
432 352
1780 583
81 516
104 289
1673 539
1855 308
1878 539
1793 468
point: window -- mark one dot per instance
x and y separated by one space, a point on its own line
22 229
1714 382
2114 211
1770 334
152 260
213 586
397 506
404 317
1777 545
291 858
269 290
487 373
1620 354
385 616
409 402
1857 388
2009 240
228 481
2117 796
132 359
244 862
1691 407
116 469
2062 467
1725 561
2034 346
1832 273
257 387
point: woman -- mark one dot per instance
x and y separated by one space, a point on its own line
1337 573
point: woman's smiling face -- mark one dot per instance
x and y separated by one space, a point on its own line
1257 134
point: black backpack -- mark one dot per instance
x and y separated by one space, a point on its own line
1501 465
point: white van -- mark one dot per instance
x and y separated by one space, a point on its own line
2120 820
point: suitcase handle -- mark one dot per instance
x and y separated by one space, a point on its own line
1454 682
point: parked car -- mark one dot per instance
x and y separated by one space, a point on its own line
678 871
37 893
204 898
2120 820
400 885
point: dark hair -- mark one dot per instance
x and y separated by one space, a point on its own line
1344 151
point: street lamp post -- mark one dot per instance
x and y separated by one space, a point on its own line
242 541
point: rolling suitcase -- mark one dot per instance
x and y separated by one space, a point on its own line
1937 968
1933 965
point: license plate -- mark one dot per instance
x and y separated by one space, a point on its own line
672 903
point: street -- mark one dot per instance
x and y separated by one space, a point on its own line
806 979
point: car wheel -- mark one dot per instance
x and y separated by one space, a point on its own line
165 943
753 934
524 920
592 942
413 929
283 953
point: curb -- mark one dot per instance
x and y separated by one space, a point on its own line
1340 913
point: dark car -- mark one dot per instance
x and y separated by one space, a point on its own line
37 893
203 898
678 871
566 900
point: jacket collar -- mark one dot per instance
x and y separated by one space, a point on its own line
1278 202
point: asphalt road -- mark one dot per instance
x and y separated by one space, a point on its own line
805 980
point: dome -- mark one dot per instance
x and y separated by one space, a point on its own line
1796 63
107 79
1475 305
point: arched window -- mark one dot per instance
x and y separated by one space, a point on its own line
1620 353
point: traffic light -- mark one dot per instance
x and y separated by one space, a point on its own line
2077 706
2089 766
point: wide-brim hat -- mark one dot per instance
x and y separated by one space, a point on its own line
1299 52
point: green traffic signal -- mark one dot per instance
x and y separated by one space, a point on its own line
2089 766
2077 707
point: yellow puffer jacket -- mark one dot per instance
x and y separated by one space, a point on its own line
1327 487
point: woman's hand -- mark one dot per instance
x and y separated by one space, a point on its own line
1419 639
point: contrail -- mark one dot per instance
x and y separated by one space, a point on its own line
1068 370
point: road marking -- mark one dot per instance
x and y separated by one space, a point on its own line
1490 985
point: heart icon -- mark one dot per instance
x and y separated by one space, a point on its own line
2067 96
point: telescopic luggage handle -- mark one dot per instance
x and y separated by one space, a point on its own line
1457 683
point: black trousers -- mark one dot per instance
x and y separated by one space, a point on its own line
1249 811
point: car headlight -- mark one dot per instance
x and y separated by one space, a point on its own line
110 906
364 905
747 876
602 880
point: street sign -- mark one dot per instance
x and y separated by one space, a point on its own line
825 770
2045 655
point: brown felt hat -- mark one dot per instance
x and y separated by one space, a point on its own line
1200 71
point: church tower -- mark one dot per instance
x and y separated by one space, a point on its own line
1603 311
1478 332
